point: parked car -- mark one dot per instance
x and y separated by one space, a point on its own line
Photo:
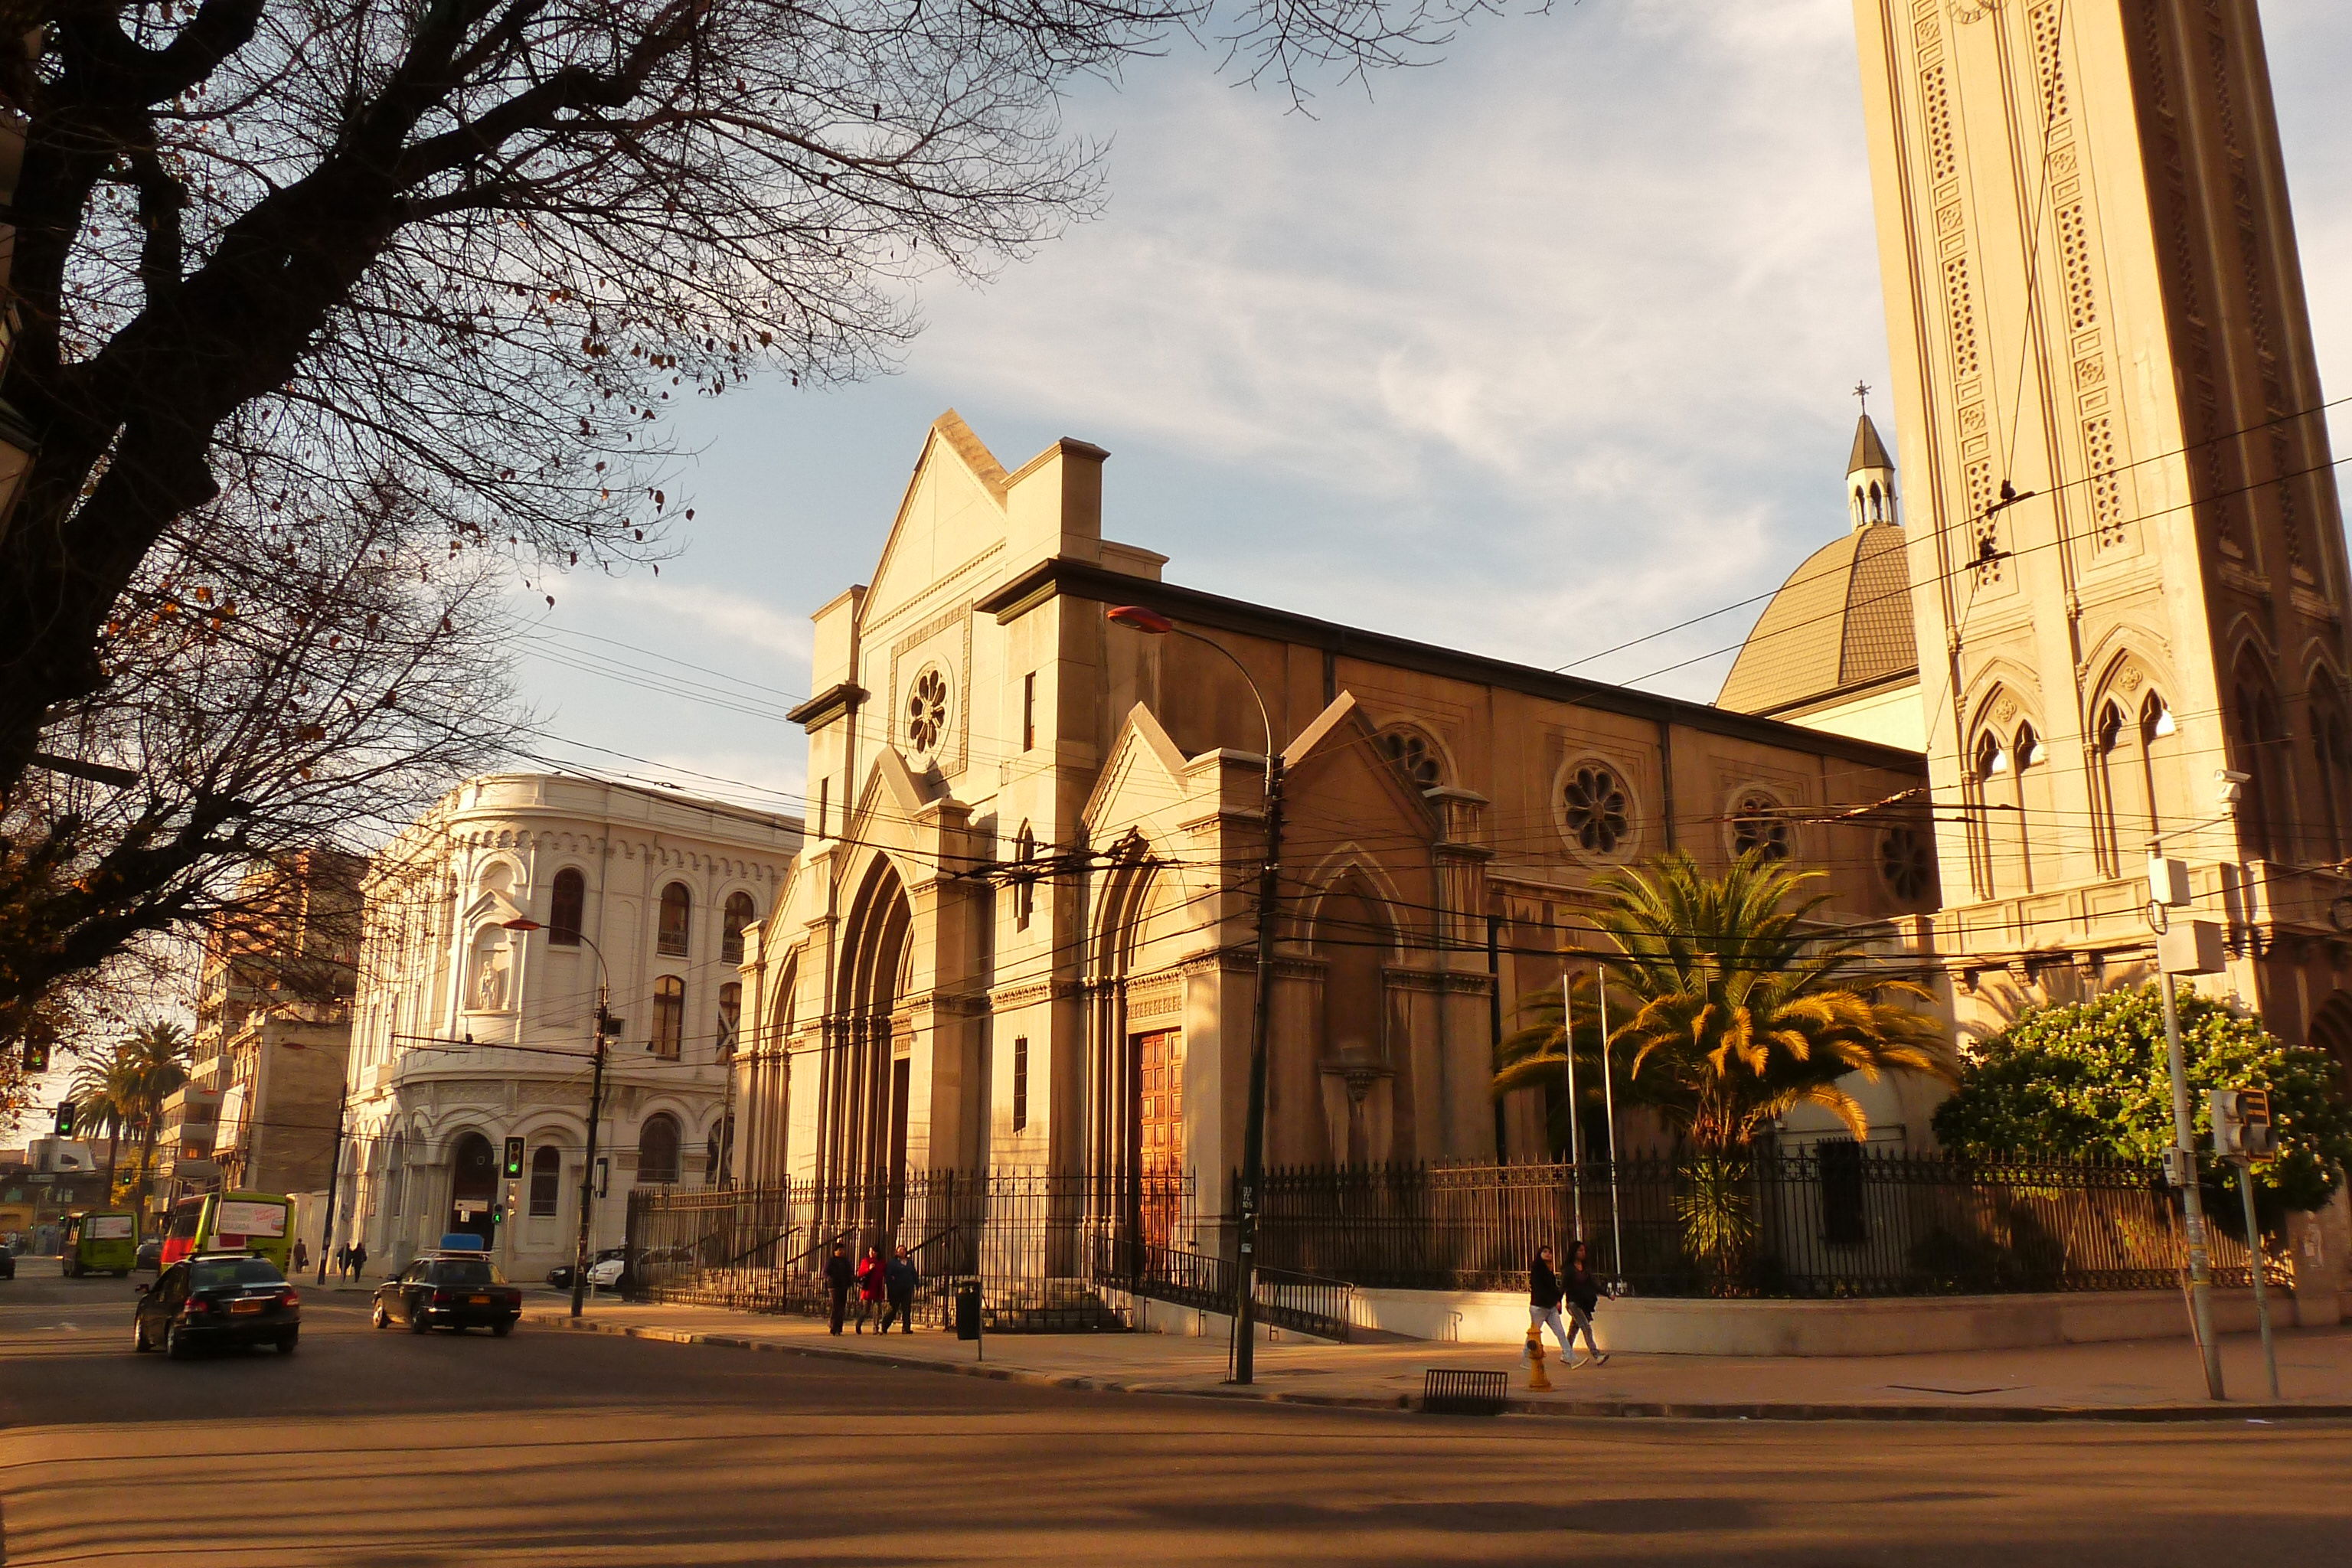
7 1263
560 1275
216 1300
448 1291
149 1257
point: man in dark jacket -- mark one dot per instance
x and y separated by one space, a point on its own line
1543 1299
899 1279
839 1276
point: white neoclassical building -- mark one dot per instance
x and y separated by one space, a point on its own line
468 1032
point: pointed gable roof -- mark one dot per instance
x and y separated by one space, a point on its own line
1869 451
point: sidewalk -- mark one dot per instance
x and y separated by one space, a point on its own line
2130 1381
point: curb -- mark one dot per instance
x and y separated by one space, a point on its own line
1582 1409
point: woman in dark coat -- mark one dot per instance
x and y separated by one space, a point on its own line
1583 1301
1543 1299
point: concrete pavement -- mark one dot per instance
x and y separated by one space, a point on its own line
2127 1380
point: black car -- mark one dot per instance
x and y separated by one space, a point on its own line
449 1291
7 1263
218 1299
560 1275
149 1256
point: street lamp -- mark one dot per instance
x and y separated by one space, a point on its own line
1153 624
605 1027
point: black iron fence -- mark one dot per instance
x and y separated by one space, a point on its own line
1029 1238
1837 1220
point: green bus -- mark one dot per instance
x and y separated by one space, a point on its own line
103 1242
258 1223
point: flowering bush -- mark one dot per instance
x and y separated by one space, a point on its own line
2089 1080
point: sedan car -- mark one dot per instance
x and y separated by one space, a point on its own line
218 1300
448 1291
149 1256
7 1263
560 1275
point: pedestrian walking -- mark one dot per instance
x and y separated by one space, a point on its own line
1544 1292
301 1256
359 1258
900 1279
872 1283
838 1278
343 1261
1583 1300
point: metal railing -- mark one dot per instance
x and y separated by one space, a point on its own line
1306 1303
1030 1238
1836 1220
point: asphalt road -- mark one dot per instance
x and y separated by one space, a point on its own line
553 1449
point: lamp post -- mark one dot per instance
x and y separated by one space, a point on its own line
1153 624
605 1027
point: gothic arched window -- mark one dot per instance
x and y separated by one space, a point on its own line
2264 805
657 1143
1414 756
2332 749
670 1016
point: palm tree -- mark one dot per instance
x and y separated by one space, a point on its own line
105 1090
156 1058
1727 1012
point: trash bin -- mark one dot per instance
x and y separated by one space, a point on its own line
967 1310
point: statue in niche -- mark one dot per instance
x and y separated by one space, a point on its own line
491 977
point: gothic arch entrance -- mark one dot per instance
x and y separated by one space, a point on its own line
863 1120
2331 1031
473 1188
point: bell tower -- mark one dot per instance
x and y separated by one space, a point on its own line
2126 559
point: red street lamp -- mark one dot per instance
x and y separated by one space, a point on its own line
1153 624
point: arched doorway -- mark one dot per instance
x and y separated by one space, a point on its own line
473 1188
2331 1031
863 1115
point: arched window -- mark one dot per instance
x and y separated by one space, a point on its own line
730 1017
2266 802
2012 784
676 917
740 912
546 1180
1025 883
565 907
395 1175
657 1143
2334 752
1415 756
670 1016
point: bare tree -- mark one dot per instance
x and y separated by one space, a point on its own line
263 246
307 686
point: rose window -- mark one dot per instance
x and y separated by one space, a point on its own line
1594 803
1758 824
927 711
1411 752
1906 863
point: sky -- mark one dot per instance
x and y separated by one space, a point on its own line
1591 292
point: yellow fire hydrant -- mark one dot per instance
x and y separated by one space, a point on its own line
1537 1382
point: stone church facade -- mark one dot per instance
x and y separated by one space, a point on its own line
2106 608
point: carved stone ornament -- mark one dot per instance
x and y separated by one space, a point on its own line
2007 711
1966 11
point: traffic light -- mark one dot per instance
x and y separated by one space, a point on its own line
514 1158
2241 1123
36 1056
65 1117
498 1213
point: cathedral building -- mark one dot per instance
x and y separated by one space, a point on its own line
2097 606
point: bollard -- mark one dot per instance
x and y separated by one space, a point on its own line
1537 1383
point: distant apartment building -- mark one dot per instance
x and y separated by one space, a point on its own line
490 924
273 1034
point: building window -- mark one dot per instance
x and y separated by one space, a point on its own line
2335 772
1758 823
1412 755
740 912
730 1017
1594 807
1906 863
1029 711
927 711
566 908
1024 881
670 1016
395 1178
546 1177
1020 1083
657 1143
823 803
676 919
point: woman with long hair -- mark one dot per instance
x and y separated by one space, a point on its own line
1583 1291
